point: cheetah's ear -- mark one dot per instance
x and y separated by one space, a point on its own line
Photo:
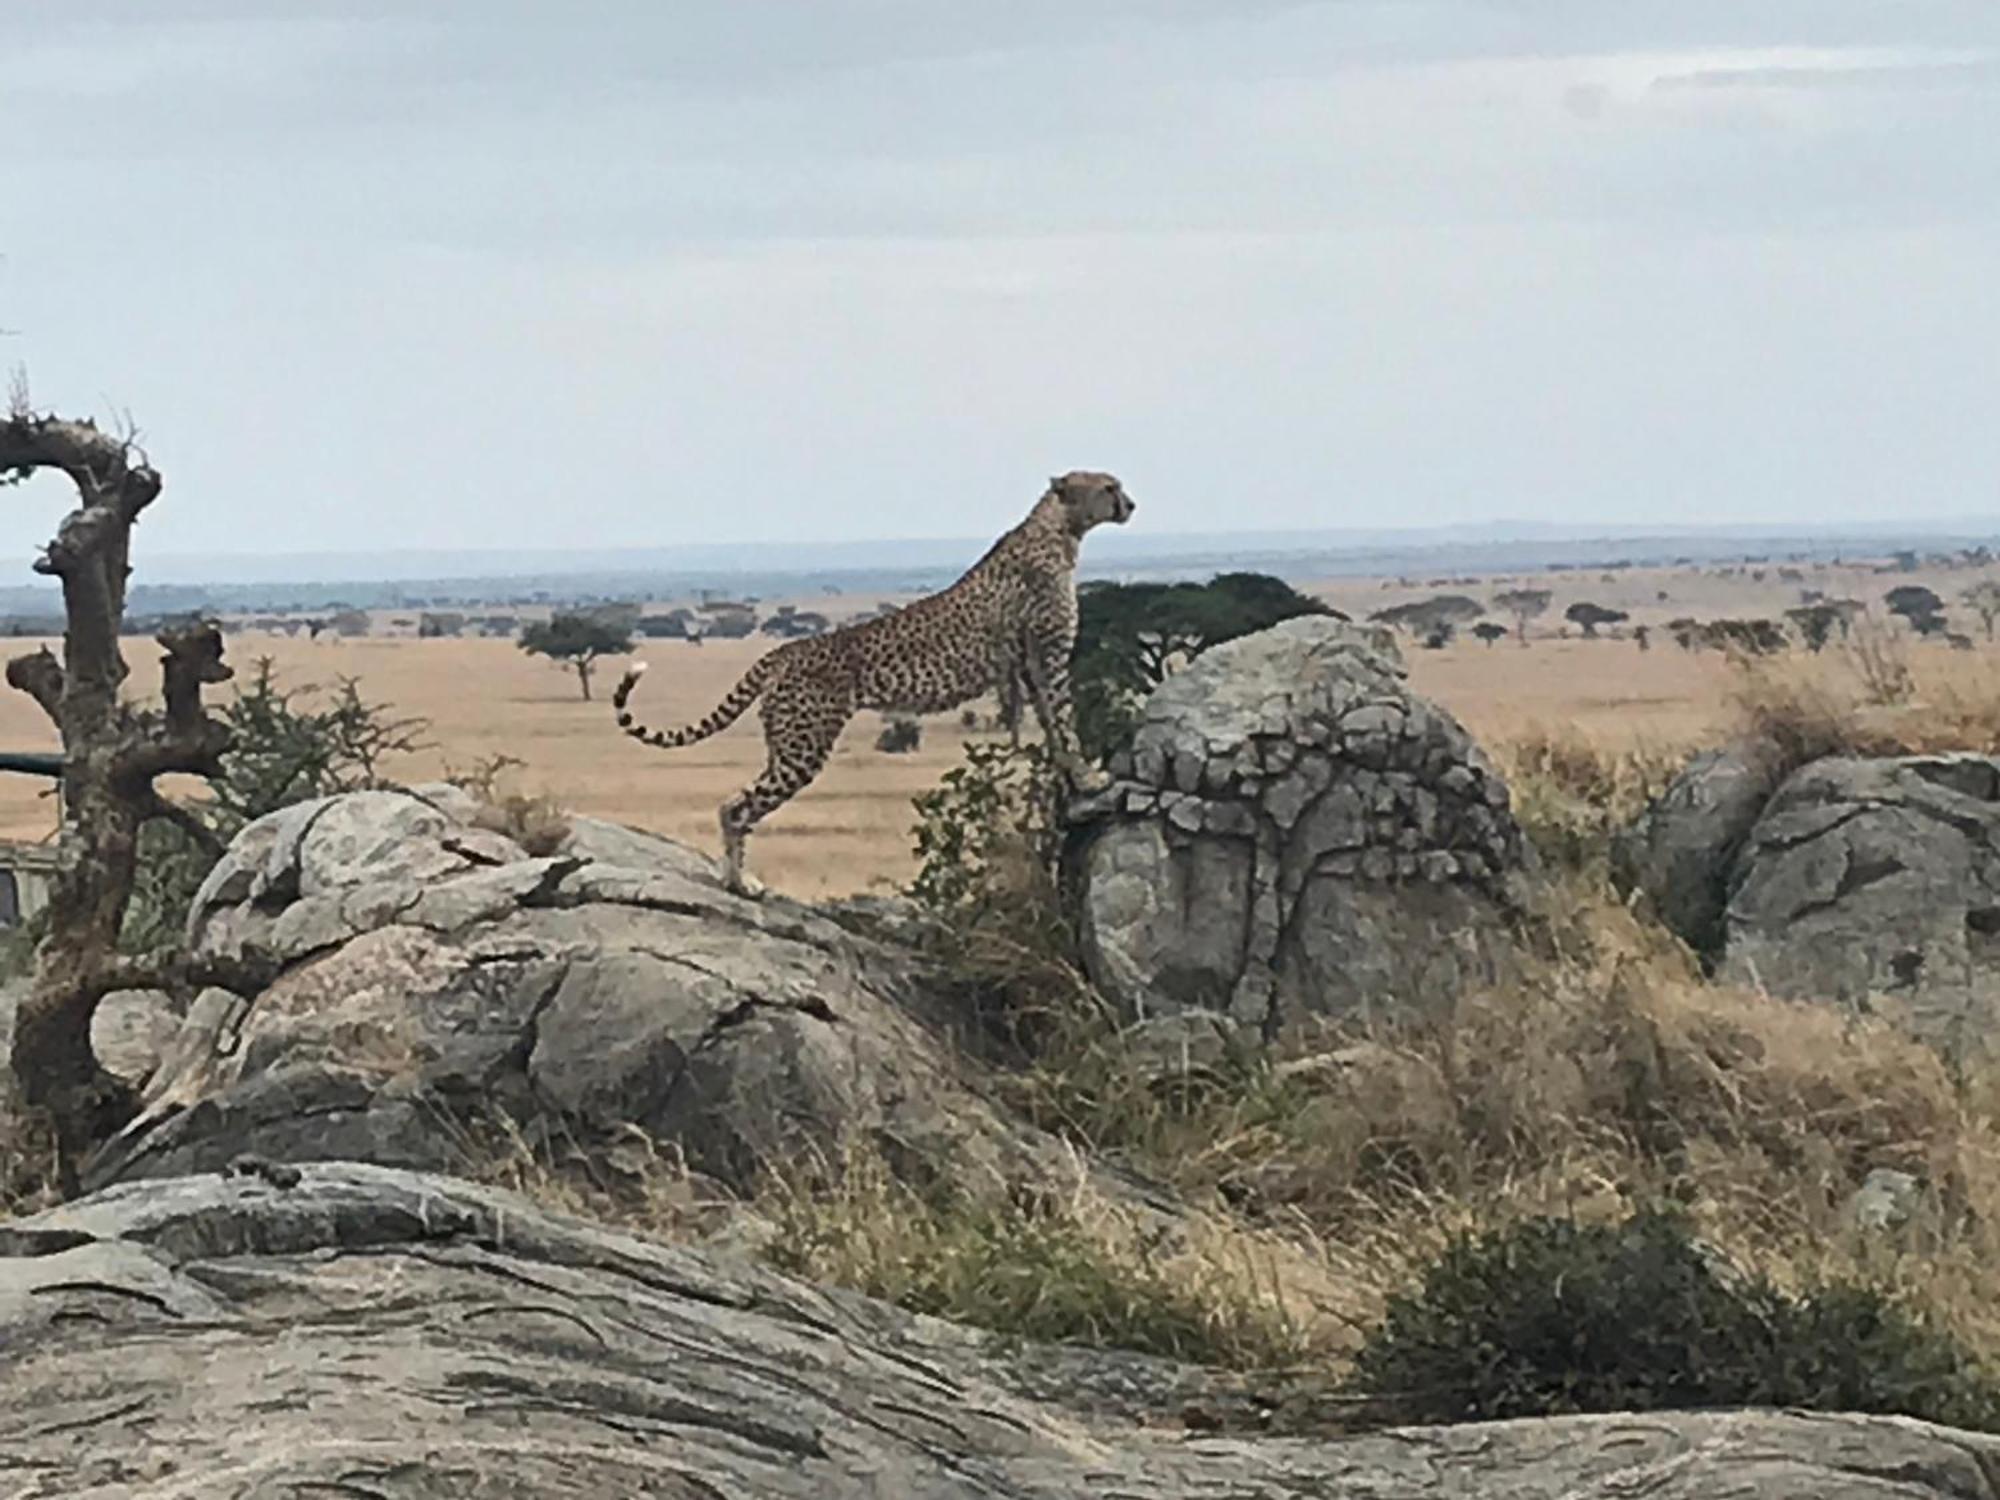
1055 484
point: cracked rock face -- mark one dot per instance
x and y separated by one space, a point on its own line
427 971
367 1331
1871 880
1293 832
1681 850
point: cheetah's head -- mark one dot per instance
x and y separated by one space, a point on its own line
1090 499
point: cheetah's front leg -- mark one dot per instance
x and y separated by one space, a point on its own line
1047 673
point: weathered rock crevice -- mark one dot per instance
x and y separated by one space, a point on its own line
429 978
1294 833
1861 883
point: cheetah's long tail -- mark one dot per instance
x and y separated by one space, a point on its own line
725 713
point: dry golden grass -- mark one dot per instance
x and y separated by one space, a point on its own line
486 698
851 830
1883 697
1607 1077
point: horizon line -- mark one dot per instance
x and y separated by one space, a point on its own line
1527 530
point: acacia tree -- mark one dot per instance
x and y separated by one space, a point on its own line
1524 605
1815 623
114 751
1590 616
1130 635
1489 632
576 641
1422 617
1917 604
1984 597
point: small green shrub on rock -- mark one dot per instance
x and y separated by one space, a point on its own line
1548 1316
988 836
989 846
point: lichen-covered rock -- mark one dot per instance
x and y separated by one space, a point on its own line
358 1331
426 972
1292 832
1866 881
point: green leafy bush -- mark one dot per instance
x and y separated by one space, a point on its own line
900 735
1549 1316
989 835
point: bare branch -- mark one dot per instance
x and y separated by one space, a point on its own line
40 676
193 661
113 752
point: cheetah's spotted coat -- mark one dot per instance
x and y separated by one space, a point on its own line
1010 620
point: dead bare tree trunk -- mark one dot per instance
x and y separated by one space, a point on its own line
113 752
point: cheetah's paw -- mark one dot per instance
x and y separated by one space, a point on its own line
1090 780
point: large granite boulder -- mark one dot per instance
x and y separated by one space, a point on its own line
426 975
1866 880
1681 852
369 1332
1294 832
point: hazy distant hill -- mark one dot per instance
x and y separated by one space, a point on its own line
779 569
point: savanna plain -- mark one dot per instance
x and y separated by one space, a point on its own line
1608 1076
481 698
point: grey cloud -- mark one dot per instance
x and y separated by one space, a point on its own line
1450 258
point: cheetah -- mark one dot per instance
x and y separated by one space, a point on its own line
1009 624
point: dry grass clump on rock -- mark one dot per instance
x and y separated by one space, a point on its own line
1057 1267
1572 792
534 820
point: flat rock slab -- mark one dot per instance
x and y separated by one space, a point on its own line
366 1331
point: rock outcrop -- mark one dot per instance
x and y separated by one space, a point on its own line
427 972
1866 880
366 1331
1294 832
1868 883
1682 851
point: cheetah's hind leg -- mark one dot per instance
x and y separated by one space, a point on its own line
798 738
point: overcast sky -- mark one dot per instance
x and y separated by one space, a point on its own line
511 274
